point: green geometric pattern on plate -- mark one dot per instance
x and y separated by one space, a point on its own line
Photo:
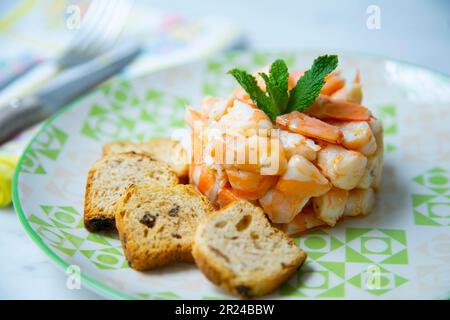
317 279
321 276
379 246
388 115
319 243
218 83
377 280
63 228
326 271
432 206
124 115
48 145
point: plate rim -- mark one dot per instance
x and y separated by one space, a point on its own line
88 282
91 283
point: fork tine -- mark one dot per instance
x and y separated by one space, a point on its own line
115 26
74 53
97 23
88 22
101 26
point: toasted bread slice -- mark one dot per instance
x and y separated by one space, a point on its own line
237 248
108 179
166 150
157 224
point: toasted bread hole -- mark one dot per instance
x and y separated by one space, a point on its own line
219 253
145 232
244 223
220 224
255 241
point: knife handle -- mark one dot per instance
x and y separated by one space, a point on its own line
18 115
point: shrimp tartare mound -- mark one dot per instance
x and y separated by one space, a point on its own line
328 152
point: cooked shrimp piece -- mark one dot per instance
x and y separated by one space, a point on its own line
239 94
280 207
359 202
311 127
302 222
213 107
372 173
333 82
377 129
358 136
209 180
295 143
302 179
243 119
378 172
249 185
330 206
328 108
195 119
258 153
351 94
227 195
343 167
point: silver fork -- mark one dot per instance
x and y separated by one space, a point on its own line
100 29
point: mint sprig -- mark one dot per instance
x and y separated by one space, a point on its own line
278 100
309 85
249 84
277 84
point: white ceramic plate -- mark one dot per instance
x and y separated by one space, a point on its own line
400 251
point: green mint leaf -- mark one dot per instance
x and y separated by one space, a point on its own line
249 84
309 85
277 84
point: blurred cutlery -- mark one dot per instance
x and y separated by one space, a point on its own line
100 28
20 114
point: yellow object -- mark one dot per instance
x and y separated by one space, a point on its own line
7 165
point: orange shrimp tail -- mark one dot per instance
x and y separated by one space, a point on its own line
357 78
311 127
326 108
332 84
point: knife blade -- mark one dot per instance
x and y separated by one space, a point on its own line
20 114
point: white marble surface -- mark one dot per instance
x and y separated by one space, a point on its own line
25 271
415 31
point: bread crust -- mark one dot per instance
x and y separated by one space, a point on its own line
164 149
164 249
255 286
98 219
95 220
